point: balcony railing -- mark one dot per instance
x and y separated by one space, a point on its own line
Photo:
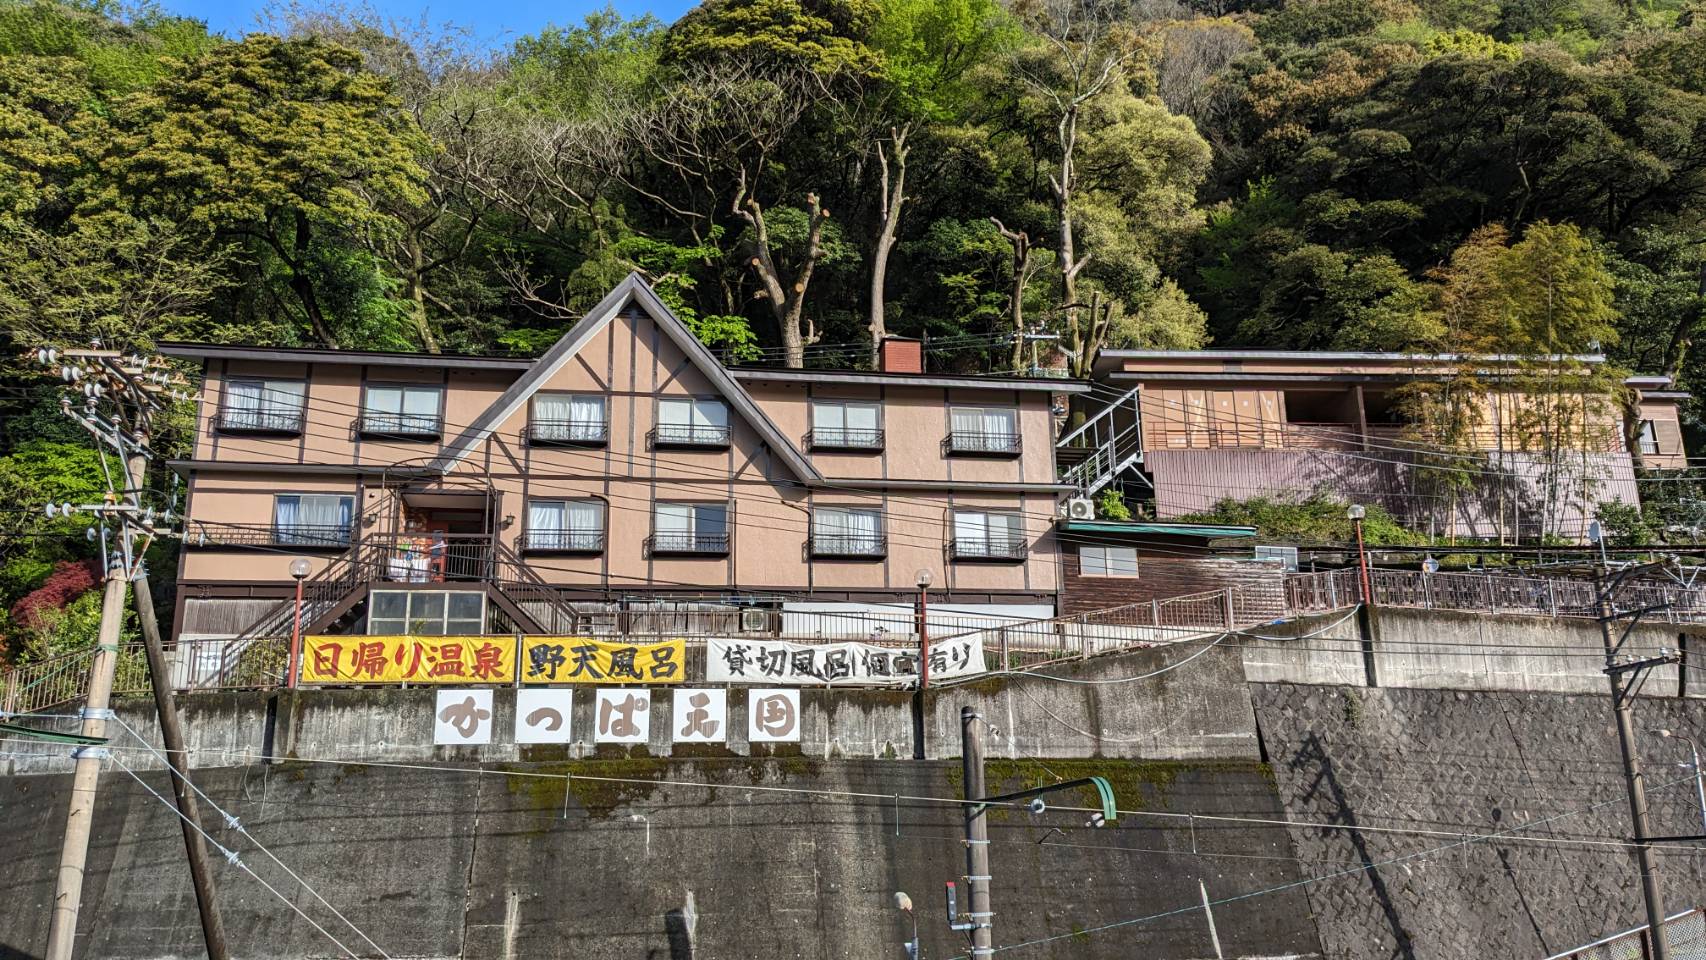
305 536
990 550
688 544
850 546
979 443
375 424
689 435
565 541
837 438
260 420
571 433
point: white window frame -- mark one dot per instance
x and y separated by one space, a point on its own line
982 439
690 534
698 427
574 429
834 535
277 398
1012 532
1107 560
565 537
282 532
439 626
401 420
839 434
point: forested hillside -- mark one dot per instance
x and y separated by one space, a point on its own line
799 176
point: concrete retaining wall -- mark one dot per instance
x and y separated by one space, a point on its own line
436 864
1086 708
1437 649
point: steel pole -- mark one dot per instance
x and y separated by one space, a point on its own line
1634 779
295 637
977 834
923 638
1362 563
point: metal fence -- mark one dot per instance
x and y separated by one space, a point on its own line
1686 933
1489 593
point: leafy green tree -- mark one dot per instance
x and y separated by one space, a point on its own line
273 141
826 37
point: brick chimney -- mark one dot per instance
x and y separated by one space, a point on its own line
902 355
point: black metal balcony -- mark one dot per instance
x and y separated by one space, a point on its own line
688 544
564 541
568 433
690 435
842 546
989 549
273 420
839 438
260 535
403 426
980 443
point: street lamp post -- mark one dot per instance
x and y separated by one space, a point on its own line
904 903
923 579
300 568
1694 761
1355 513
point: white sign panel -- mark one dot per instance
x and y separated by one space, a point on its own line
701 716
463 718
853 664
773 716
542 716
623 716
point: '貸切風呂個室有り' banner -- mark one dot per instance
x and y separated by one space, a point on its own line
854 664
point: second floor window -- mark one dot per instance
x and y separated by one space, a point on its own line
312 519
686 421
847 532
569 525
1649 439
841 424
690 528
988 535
569 418
263 406
401 410
987 430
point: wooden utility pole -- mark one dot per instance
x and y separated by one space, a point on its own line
177 757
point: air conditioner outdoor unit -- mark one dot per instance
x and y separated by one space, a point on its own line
1286 555
754 620
1080 508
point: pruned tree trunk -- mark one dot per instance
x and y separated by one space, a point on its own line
1021 244
1064 185
787 300
892 197
417 296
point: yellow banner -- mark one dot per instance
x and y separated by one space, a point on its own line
586 660
357 659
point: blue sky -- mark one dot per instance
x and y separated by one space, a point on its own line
494 20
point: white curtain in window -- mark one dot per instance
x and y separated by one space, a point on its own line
544 516
673 518
967 420
829 523
245 395
420 402
553 407
862 524
998 422
675 413
586 409
971 527
861 416
829 417
325 511
286 511
585 516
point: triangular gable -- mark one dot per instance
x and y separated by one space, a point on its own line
632 289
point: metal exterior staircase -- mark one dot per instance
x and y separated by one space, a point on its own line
1104 447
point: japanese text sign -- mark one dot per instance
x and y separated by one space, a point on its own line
701 716
542 716
623 716
772 716
462 718
586 660
775 661
408 659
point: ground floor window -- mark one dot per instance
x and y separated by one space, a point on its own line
426 613
1107 561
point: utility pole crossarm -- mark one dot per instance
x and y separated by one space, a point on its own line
1104 792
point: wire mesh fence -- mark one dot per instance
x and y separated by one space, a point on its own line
1684 932
1489 593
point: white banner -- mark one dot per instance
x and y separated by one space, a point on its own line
828 664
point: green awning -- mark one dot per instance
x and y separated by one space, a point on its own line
1151 529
